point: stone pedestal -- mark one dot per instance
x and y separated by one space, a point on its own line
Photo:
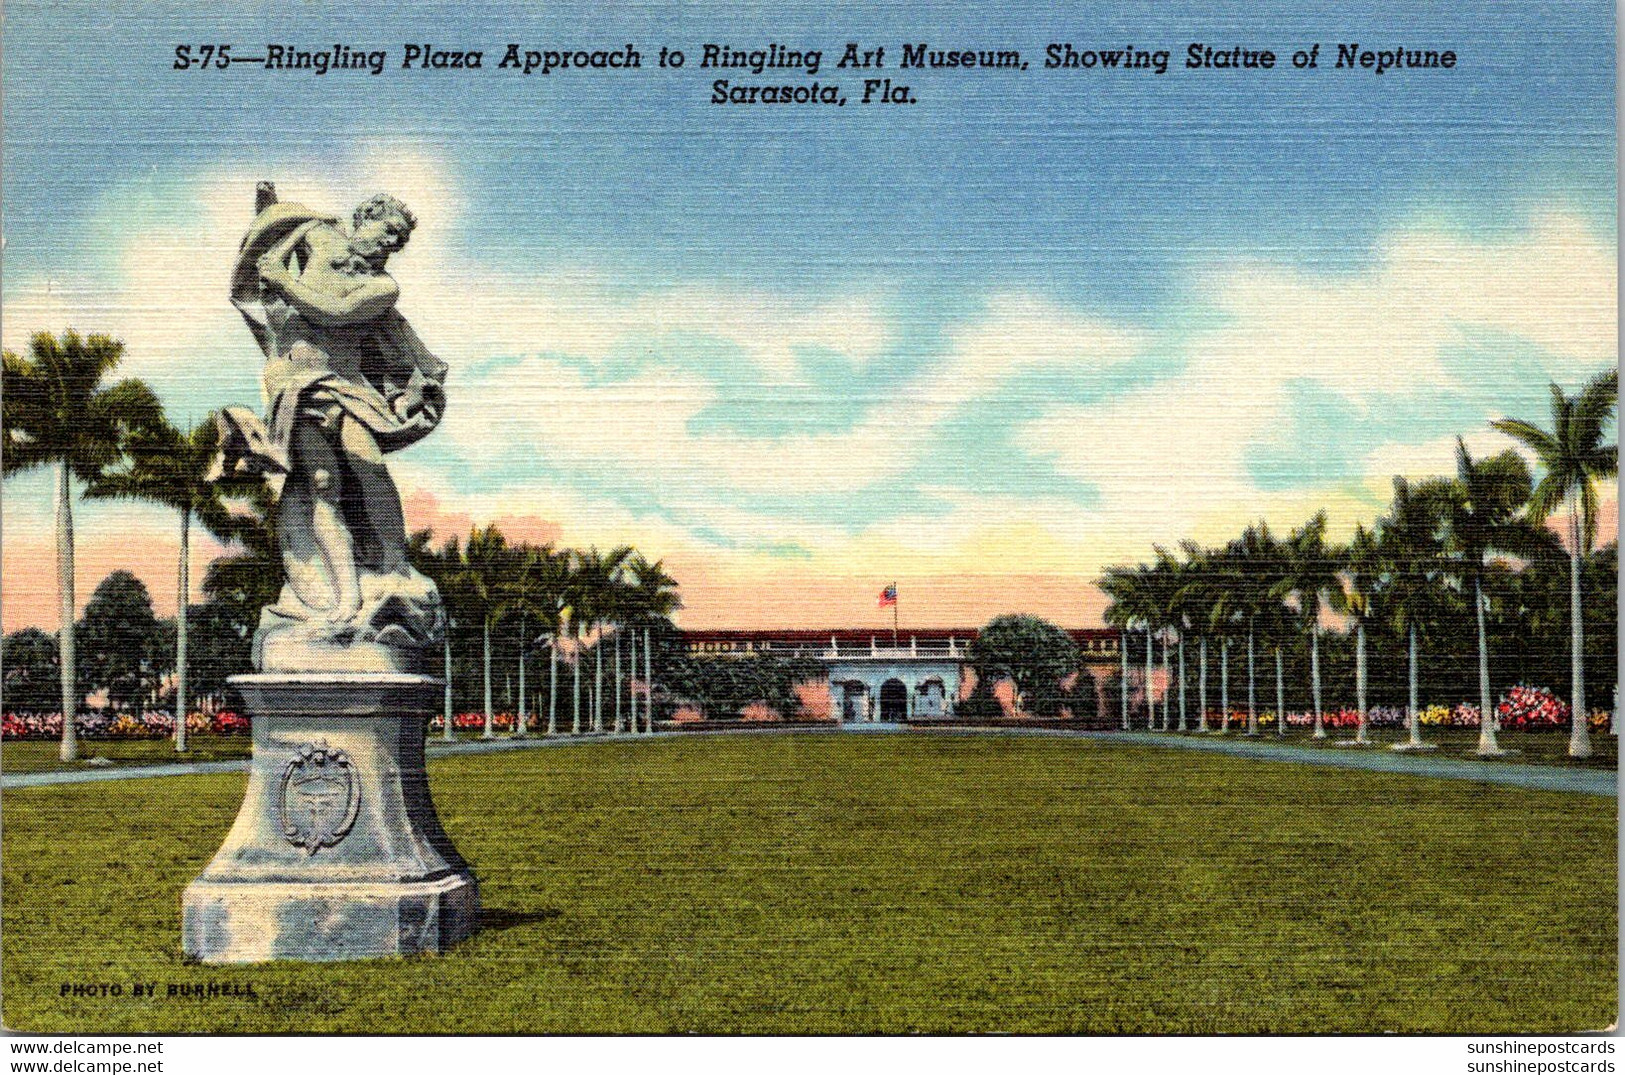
337 852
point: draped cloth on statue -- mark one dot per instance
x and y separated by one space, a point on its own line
375 374
399 398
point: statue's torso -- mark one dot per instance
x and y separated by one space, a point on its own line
341 349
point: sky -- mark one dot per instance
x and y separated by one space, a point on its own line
981 345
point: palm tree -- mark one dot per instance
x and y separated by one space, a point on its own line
1126 612
1255 558
1134 591
1277 628
530 586
1575 459
485 561
1410 552
168 467
1197 597
556 571
572 611
445 566
652 596
1172 576
1275 619
593 584
618 608
1311 576
1187 609
1481 514
1165 586
1227 609
1361 567
55 412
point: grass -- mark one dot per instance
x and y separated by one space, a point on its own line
807 883
36 756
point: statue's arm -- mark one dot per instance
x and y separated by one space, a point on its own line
371 298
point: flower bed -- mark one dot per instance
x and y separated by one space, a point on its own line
1532 707
126 726
475 722
1522 709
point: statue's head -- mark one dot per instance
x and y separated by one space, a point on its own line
381 225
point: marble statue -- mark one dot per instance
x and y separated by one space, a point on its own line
337 852
346 381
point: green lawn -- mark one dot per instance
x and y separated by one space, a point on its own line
829 883
34 756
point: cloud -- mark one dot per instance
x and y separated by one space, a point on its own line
1171 458
1383 332
642 426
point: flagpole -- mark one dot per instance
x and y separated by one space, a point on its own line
894 616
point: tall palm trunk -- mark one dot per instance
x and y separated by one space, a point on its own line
1486 715
1280 694
1252 686
490 717
598 684
1415 716
447 732
1224 686
1122 680
620 717
1184 726
1580 733
1150 669
1201 690
64 588
575 690
648 684
524 639
1167 685
184 587
1359 678
553 686
1314 677
632 680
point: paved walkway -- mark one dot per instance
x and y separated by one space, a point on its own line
1602 782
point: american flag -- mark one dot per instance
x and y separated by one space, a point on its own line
888 596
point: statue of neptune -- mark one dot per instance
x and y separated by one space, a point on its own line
346 380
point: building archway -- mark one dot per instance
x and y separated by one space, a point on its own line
893 701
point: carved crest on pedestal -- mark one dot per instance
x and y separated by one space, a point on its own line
319 796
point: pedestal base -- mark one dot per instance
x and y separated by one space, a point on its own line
337 852
253 923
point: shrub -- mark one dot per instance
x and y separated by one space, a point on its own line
981 705
1532 707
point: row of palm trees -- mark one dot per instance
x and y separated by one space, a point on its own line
1433 548
560 599
114 441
